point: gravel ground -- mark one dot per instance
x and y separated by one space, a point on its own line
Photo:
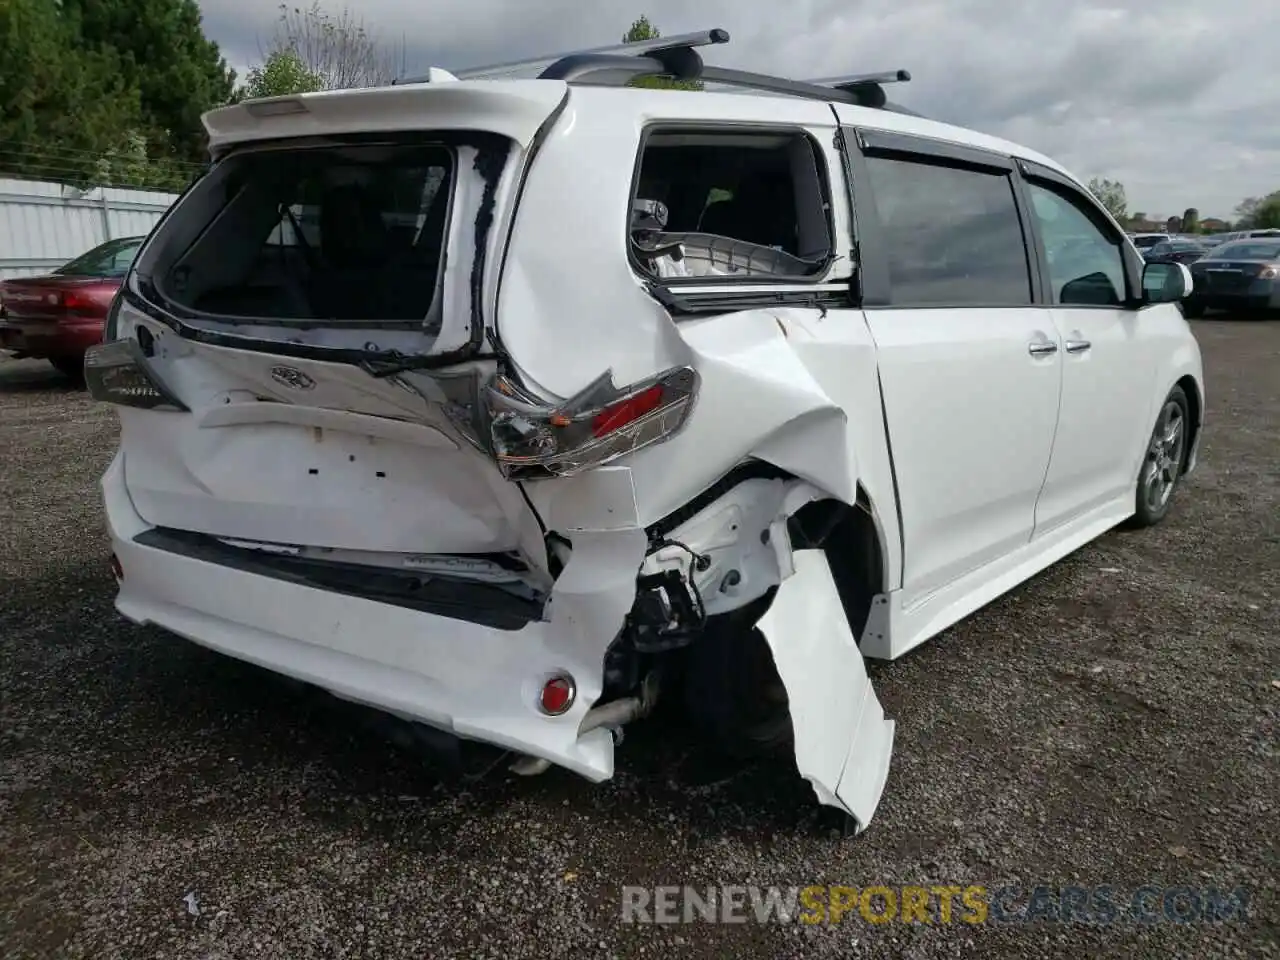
1112 722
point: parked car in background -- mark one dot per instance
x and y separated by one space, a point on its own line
1239 276
60 316
1257 234
1209 241
1144 241
1175 251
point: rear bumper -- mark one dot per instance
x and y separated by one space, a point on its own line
1262 295
49 338
477 682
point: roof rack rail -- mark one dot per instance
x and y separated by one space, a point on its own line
685 64
535 66
868 87
677 57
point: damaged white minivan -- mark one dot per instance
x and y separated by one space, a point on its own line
509 406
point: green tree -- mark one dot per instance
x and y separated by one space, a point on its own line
61 107
1110 193
643 29
1259 212
1191 220
127 164
1246 210
162 51
282 73
1267 213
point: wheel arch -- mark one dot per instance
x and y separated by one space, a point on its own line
851 536
1195 412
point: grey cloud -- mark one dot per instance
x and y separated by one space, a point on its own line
1173 98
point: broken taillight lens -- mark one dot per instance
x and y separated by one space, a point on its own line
530 439
118 372
618 415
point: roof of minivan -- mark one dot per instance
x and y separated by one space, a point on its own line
377 108
773 108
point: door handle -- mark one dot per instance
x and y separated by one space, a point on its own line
1042 348
1078 346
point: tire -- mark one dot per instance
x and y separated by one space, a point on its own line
733 694
1192 310
1163 460
70 367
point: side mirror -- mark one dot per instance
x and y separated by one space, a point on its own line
1093 289
1165 282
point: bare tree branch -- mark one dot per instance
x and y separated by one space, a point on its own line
335 47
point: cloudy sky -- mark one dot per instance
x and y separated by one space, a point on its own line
1177 99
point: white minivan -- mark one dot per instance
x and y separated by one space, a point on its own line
509 406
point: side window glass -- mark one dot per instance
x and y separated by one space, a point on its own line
123 258
952 234
731 204
1086 266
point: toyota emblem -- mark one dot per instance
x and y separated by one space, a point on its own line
292 378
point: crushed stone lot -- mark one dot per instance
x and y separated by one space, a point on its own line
1113 722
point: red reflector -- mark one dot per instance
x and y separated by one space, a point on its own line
626 411
557 695
116 569
74 301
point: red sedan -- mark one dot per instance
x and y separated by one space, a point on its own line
59 316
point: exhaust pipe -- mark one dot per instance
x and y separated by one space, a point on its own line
614 714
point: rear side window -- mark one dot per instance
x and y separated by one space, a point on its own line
952 234
722 204
345 233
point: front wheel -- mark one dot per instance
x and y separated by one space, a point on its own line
1162 465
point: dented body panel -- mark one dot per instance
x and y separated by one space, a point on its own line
475 681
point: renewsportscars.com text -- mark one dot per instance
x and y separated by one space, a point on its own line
935 904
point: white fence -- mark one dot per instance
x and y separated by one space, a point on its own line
43 225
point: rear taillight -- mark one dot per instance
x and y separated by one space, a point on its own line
118 372
78 302
618 415
531 439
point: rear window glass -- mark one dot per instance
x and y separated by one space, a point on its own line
111 259
347 234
